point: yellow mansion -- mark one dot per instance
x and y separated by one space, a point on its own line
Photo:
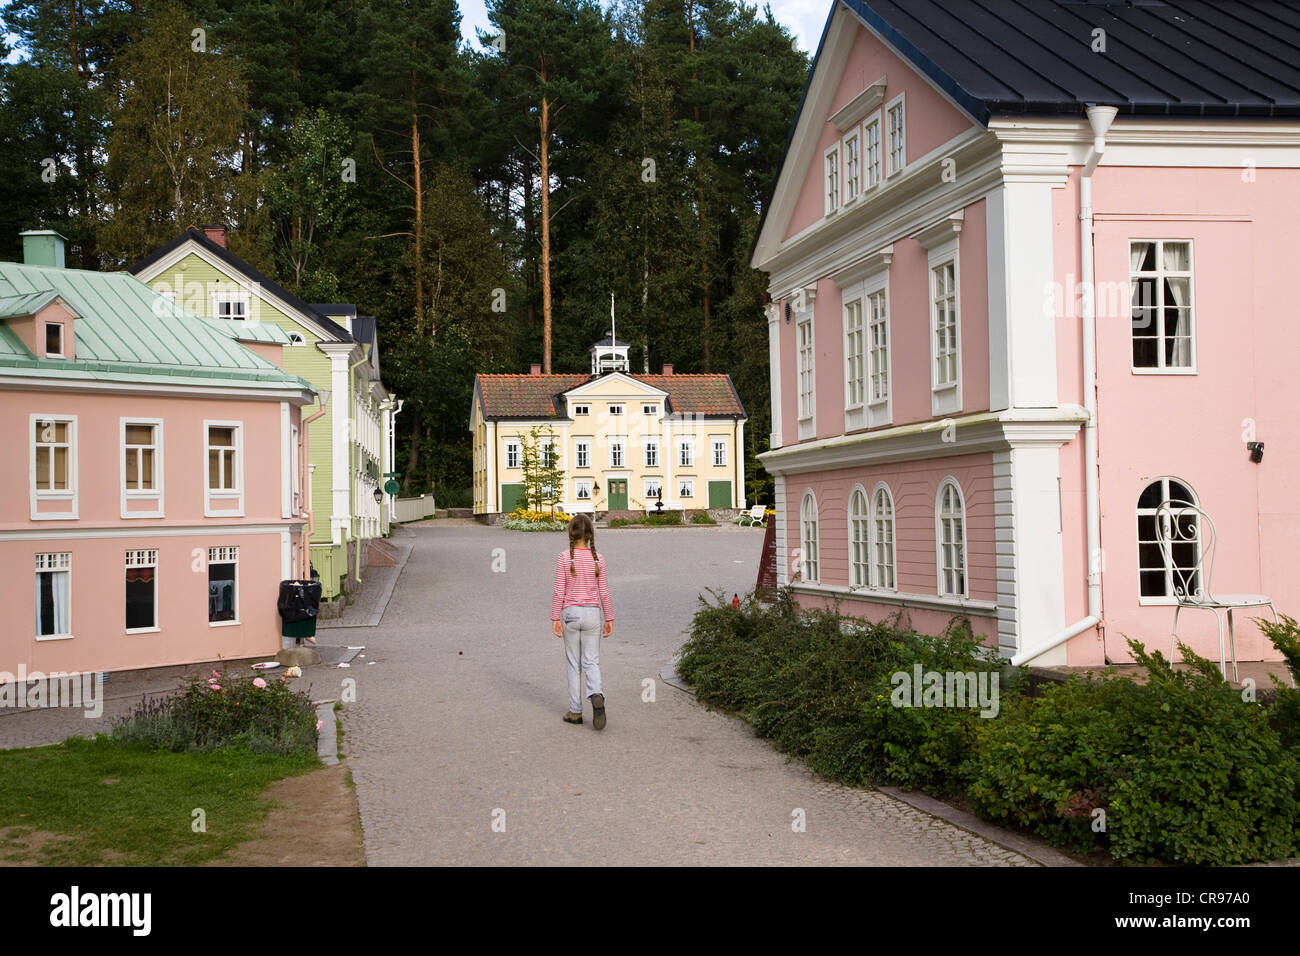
623 440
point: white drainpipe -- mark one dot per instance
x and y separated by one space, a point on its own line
1100 118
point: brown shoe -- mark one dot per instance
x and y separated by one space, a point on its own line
598 711
572 718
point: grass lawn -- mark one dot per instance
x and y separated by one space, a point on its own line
86 802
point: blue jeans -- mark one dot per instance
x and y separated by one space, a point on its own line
582 627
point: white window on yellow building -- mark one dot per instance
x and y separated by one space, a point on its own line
512 453
582 453
719 443
686 452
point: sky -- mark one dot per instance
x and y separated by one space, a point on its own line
804 18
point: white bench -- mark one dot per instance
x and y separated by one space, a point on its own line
755 515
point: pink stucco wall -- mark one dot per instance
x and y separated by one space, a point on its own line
914 486
931 119
1190 427
100 536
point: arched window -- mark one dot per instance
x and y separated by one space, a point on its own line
1157 575
808 538
950 537
882 520
859 540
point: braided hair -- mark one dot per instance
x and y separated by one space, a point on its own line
581 529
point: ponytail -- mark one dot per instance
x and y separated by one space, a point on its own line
581 529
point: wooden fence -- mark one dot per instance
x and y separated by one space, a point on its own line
413 509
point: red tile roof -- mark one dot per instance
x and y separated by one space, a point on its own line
541 396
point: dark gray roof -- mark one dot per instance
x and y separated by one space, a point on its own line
335 308
608 342
1174 58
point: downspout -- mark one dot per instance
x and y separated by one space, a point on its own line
1099 118
392 453
304 466
352 440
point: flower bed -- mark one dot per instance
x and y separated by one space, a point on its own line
524 519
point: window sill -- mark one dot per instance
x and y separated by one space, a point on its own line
54 637
1159 602
944 389
143 630
1164 371
223 623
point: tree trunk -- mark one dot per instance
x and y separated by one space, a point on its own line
418 226
413 455
546 234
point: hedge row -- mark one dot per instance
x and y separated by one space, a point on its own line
1178 768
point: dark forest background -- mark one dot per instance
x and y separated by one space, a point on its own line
363 152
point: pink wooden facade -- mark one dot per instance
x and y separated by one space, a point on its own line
998 203
149 516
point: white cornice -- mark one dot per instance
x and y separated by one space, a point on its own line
868 266
969 434
929 602
943 230
294 394
140 529
858 107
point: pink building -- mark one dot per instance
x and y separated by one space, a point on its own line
957 429
154 502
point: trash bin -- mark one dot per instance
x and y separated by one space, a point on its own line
299 605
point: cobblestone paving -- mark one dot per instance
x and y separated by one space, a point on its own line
457 724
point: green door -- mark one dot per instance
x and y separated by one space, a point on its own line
719 494
512 496
618 494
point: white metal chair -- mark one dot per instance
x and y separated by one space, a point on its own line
755 515
1187 541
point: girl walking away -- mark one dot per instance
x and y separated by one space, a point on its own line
580 606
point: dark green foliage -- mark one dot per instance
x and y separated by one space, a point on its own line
1185 770
819 685
222 711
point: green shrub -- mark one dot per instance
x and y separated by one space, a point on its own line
1185 770
702 517
819 686
666 518
620 522
226 711
1284 709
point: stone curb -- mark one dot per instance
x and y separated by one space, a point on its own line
381 605
1026 846
327 740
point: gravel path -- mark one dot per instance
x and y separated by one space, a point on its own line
460 757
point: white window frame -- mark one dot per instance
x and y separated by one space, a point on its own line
806 353
809 556
55 562
582 409
685 451
618 451
1160 368
1168 599
716 441
651 458
650 409
579 486
297 338
513 450
945 397
70 495
156 494
616 408
144 558
873 172
899 102
874 564
226 554
859 529
854 305
546 453
880 411
939 519
582 453
223 296
212 496
852 182
685 487
651 488
63 341
831 179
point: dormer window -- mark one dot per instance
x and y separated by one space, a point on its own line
54 340
897 133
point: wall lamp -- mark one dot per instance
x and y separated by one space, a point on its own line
1256 451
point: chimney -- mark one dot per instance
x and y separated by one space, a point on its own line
668 368
43 247
217 234
536 369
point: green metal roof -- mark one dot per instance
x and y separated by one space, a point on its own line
124 331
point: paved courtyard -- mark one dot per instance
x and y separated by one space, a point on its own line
460 756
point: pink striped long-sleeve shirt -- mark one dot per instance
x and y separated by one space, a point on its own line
584 587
